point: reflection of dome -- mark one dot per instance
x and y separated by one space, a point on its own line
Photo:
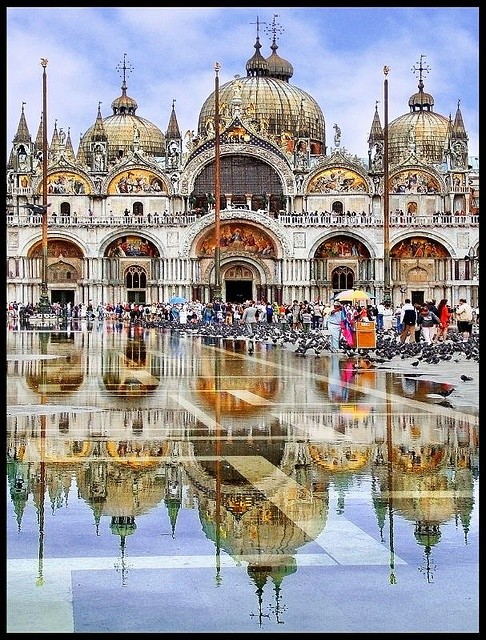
228 383
423 498
340 457
60 375
118 489
269 102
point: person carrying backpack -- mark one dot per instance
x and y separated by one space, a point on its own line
408 320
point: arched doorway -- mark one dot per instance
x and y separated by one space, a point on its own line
238 281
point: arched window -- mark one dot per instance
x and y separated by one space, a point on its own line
342 279
137 209
337 207
136 278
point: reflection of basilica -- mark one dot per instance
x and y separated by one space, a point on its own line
156 425
261 498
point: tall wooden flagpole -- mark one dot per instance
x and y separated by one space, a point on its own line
386 199
44 303
217 188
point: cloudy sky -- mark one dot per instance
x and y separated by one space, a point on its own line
338 55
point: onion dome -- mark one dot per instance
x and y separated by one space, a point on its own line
420 134
123 131
269 103
279 67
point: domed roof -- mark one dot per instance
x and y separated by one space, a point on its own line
123 131
268 102
424 134
421 133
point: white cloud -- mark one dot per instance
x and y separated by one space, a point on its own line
337 54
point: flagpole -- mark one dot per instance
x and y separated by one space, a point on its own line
386 199
44 303
217 188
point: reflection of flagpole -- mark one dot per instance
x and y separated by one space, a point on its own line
217 188
43 337
389 443
217 389
386 198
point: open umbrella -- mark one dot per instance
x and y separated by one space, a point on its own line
352 295
177 300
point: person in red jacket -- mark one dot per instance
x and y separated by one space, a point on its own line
444 314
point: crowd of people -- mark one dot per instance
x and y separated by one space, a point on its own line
410 322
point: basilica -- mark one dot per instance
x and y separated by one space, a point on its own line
131 215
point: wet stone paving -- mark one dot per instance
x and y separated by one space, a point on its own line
189 479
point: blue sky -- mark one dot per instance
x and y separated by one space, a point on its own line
338 55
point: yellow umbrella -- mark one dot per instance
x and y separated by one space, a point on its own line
352 295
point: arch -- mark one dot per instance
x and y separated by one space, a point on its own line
419 247
262 222
341 246
342 278
131 245
56 247
136 180
338 179
415 180
109 243
264 155
237 237
135 276
66 183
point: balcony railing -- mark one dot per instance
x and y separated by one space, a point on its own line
296 220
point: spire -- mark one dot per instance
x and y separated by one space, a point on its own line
376 131
55 144
22 136
99 133
173 132
458 128
21 139
39 137
257 65
70 155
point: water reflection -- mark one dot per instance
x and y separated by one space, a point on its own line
277 467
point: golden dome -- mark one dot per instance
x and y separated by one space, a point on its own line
123 132
122 129
268 102
424 134
421 133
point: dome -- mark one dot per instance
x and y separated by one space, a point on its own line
268 102
282 108
420 133
122 132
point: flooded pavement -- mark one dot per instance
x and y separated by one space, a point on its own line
168 482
